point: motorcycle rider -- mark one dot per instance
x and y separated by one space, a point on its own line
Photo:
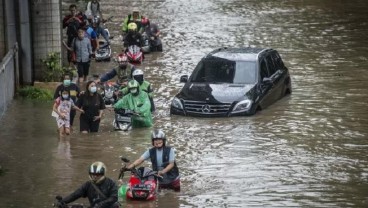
102 192
163 160
123 71
133 37
94 9
153 32
143 84
134 17
137 101
99 29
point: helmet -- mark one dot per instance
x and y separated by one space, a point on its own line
122 61
97 168
132 26
96 20
133 84
138 76
158 134
145 21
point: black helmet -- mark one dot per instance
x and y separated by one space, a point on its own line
97 168
96 20
158 134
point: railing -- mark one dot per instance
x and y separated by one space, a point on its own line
8 78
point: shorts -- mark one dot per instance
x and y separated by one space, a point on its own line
83 68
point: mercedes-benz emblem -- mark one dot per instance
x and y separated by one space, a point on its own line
206 109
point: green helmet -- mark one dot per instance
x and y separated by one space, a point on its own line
132 26
133 84
133 87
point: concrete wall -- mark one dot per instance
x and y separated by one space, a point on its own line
2 31
46 31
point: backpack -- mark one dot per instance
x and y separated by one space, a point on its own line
73 27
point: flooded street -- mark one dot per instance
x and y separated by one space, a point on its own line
307 150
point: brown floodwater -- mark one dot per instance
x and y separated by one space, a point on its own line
307 150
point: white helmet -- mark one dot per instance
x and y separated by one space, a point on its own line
137 72
138 76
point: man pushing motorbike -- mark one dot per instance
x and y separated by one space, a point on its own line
163 161
137 101
123 71
101 191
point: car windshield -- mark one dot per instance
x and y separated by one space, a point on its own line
219 70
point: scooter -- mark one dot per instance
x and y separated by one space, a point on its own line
122 120
142 184
146 43
103 53
134 54
109 91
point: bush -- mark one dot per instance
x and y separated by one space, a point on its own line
54 70
30 92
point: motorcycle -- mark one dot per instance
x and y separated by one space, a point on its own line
122 120
110 92
134 54
103 53
142 184
146 43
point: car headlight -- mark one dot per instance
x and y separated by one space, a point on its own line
242 106
176 103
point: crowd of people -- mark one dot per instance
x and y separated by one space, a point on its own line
83 30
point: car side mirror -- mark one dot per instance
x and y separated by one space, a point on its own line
184 78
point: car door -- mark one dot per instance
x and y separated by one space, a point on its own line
265 84
275 76
281 75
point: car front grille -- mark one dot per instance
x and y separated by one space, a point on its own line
204 108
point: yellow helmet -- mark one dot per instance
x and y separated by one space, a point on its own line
132 26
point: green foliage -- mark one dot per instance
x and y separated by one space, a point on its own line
54 70
31 92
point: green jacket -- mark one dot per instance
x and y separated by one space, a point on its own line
139 104
128 20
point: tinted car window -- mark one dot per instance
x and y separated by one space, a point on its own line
224 71
277 60
264 70
270 65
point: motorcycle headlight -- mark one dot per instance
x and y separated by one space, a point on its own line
109 94
242 106
176 103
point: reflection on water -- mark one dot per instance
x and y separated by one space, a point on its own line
307 150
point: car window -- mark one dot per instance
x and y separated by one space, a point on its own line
264 71
219 70
270 65
245 72
277 60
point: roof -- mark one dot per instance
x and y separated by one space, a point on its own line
236 54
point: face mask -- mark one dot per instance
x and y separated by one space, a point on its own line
66 82
93 89
139 79
133 91
65 96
